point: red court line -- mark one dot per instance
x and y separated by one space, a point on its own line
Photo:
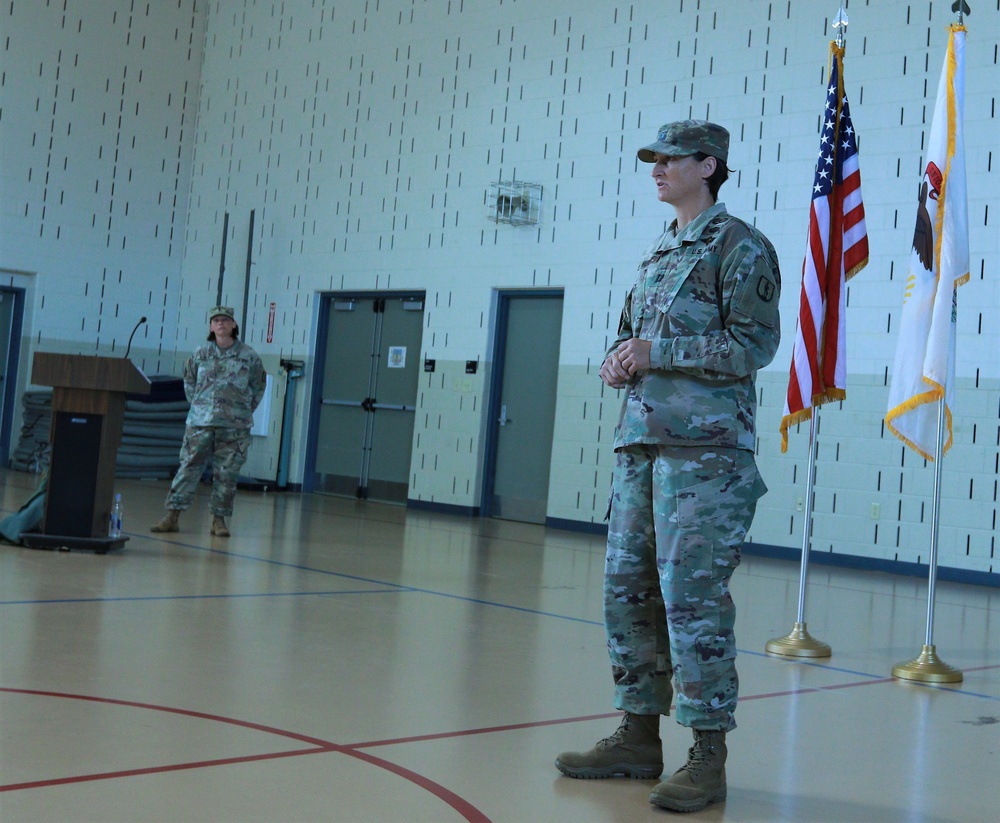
817 689
462 806
459 804
605 715
371 744
323 744
176 767
982 668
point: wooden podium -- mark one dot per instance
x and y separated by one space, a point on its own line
88 409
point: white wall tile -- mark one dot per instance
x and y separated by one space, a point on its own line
365 137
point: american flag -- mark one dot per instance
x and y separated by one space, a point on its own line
836 250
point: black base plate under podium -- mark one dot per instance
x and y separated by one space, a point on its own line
100 545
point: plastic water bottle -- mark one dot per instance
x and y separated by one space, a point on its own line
115 526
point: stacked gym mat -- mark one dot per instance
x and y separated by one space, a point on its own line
151 435
32 452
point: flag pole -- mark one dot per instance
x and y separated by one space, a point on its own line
798 642
927 667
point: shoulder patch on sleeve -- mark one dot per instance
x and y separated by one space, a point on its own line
759 293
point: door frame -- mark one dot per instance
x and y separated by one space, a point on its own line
10 376
325 301
495 390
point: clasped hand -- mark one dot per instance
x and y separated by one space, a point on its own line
623 363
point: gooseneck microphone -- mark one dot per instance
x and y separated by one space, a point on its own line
128 348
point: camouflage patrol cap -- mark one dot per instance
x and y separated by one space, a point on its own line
688 137
225 311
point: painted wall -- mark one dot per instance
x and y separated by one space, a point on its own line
98 103
364 137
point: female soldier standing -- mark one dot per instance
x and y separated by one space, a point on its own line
224 382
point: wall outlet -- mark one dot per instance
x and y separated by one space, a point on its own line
876 511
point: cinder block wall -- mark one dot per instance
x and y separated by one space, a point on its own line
98 103
364 136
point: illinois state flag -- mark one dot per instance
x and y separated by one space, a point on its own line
836 250
923 372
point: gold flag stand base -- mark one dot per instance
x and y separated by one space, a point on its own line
798 643
927 668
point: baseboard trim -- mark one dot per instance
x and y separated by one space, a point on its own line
442 508
875 564
844 561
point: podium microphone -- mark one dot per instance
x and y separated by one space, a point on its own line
128 348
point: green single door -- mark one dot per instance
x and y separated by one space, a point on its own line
8 367
527 406
393 407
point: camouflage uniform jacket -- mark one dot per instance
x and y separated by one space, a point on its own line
707 299
223 386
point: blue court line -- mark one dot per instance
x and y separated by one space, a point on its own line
145 598
392 587
825 667
398 586
805 662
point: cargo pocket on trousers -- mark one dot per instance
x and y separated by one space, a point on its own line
716 515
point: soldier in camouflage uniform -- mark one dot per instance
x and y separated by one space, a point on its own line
699 322
224 382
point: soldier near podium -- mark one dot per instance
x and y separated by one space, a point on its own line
224 382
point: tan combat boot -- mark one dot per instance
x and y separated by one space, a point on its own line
634 750
700 781
168 523
219 526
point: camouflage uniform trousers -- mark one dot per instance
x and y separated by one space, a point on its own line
678 520
228 449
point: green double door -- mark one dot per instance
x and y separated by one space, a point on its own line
367 398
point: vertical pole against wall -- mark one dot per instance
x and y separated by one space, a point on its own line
222 257
246 283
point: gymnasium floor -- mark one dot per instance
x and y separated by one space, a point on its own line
346 661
